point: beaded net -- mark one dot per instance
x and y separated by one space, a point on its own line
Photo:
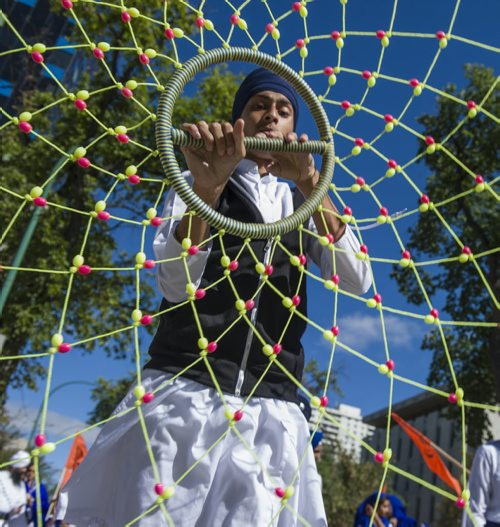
371 112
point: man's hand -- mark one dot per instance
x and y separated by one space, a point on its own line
213 164
296 167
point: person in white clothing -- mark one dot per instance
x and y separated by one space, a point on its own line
13 496
484 487
230 444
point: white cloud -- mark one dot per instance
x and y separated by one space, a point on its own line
361 331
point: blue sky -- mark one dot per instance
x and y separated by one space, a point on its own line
405 58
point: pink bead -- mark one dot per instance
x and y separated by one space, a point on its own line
238 415
380 33
392 163
335 330
159 488
329 237
25 127
358 141
103 215
277 349
126 93
169 33
64 347
296 6
200 22
360 181
388 118
40 202
269 270
460 503
134 179
249 305
122 138
67 4
345 104
148 397
434 312
440 35
406 254
335 35
155 222
37 57
269 28
233 265
384 211
363 248
83 162
194 249
84 269
323 401
429 140
143 59
390 364
212 346
335 279
413 83
366 74
234 19
279 492
377 297
80 104
466 250
125 16
40 440
452 398
199 294
471 104
379 457
299 43
295 300
348 211
302 259
479 179
424 198
327 70
98 53
149 264
146 320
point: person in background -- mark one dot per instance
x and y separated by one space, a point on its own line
484 487
13 497
398 515
31 511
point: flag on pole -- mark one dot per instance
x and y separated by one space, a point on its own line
429 453
76 454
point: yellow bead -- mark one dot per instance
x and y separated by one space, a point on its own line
100 206
139 392
339 43
267 349
178 33
36 192
303 11
140 257
78 260
82 94
56 340
131 170
202 343
79 152
104 46
131 85
134 12
384 41
303 52
332 79
41 48
209 25
136 315
151 53
25 116
275 34
151 213
242 24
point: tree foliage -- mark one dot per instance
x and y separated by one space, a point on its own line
475 351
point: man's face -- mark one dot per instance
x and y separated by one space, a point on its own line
268 114
385 509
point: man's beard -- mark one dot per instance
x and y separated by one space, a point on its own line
16 476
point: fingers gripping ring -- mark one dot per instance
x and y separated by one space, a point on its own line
167 137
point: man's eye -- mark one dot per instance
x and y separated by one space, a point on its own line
259 106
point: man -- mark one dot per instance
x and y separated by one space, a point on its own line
261 468
13 497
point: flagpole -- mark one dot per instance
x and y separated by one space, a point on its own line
448 457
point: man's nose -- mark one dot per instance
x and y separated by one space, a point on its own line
272 113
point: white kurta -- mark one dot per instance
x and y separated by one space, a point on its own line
13 499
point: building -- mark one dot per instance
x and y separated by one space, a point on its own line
348 420
427 413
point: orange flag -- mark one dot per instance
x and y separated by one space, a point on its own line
429 453
76 454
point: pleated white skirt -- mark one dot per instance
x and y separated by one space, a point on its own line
227 486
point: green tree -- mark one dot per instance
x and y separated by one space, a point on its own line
475 351
102 300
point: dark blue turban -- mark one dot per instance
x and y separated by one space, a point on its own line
260 80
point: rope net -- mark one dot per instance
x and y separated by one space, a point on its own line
300 35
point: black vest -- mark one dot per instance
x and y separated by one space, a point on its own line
174 347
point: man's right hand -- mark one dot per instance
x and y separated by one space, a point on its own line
212 165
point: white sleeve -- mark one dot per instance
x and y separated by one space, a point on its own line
479 487
354 274
171 275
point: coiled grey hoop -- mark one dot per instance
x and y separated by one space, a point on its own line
167 137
